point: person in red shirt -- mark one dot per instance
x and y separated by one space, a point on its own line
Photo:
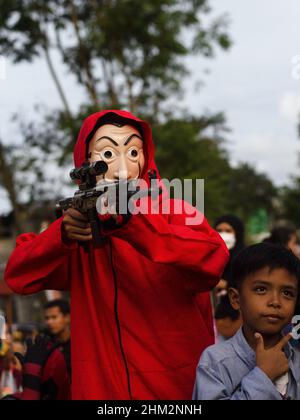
136 327
45 374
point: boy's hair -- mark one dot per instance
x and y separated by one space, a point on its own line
258 256
62 304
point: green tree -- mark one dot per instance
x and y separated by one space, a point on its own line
193 148
249 190
124 52
290 199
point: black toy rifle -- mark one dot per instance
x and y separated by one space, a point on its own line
85 198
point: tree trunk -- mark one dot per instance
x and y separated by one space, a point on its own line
90 82
8 183
57 83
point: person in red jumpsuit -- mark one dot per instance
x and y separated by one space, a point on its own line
137 325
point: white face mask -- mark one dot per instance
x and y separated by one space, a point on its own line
121 148
228 238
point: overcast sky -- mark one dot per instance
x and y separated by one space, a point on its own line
252 84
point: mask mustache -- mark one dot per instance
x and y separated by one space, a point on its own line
105 180
121 176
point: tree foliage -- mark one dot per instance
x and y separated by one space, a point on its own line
195 148
125 54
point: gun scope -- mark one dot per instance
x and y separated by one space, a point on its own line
96 168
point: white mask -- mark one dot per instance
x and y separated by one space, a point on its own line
121 148
228 238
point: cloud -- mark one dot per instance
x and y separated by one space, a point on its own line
275 155
290 107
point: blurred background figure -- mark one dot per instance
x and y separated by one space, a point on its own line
49 353
57 320
18 346
10 374
227 319
43 375
285 236
232 230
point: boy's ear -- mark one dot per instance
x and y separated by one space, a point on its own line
234 298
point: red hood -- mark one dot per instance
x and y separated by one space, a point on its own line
90 122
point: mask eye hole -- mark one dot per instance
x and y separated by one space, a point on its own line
107 154
133 153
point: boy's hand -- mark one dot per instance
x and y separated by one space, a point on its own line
273 361
75 226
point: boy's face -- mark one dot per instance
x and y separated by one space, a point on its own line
266 299
121 148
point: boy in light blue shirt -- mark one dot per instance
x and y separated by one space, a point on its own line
258 362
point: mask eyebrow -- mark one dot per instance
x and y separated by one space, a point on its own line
108 138
130 137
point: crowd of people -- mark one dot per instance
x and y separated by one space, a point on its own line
35 363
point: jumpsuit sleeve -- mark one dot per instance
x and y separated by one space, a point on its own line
39 262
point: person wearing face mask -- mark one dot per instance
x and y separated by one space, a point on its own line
227 319
232 231
136 331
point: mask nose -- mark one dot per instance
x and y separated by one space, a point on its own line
122 172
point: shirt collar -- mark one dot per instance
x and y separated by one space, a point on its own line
243 350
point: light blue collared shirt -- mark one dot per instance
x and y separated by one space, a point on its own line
228 371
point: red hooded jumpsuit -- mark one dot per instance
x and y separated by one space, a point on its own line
138 321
